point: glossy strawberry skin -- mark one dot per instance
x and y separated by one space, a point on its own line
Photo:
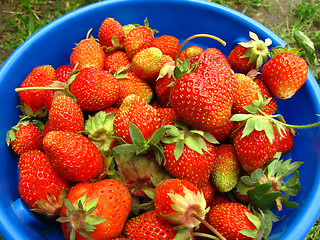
27 138
88 53
255 150
284 74
191 166
203 97
116 61
169 45
229 219
237 63
114 205
40 76
37 178
131 84
73 155
65 115
148 225
95 89
111 35
247 91
138 39
63 72
162 200
135 109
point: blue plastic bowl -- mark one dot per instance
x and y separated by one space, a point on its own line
53 45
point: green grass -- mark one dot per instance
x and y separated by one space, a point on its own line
27 17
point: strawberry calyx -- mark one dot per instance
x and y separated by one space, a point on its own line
195 139
140 145
99 129
80 218
11 134
52 206
256 119
257 50
284 49
266 186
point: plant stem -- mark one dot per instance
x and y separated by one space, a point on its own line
209 226
39 88
195 36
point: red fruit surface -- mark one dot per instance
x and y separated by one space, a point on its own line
114 205
169 45
284 74
149 226
37 178
229 219
73 155
191 165
65 115
95 89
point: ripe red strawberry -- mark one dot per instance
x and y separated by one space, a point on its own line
129 84
147 63
166 115
116 61
95 89
176 193
169 45
32 101
221 133
230 218
137 39
285 73
190 51
246 92
47 128
39 182
136 110
65 115
203 97
163 90
226 168
249 55
111 35
255 149
166 59
272 106
88 53
286 141
73 155
208 191
191 165
63 72
95 210
24 137
150 226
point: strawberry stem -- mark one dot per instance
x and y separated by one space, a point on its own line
195 36
209 226
38 88
198 234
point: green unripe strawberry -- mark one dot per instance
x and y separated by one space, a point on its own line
226 169
147 63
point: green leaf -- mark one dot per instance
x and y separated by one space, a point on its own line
254 177
69 205
254 219
135 134
292 185
178 149
249 233
288 168
63 219
193 143
91 206
306 44
172 130
260 196
94 220
288 204
125 149
157 135
240 117
249 127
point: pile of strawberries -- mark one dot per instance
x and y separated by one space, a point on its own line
139 139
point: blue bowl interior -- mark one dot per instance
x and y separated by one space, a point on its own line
53 45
